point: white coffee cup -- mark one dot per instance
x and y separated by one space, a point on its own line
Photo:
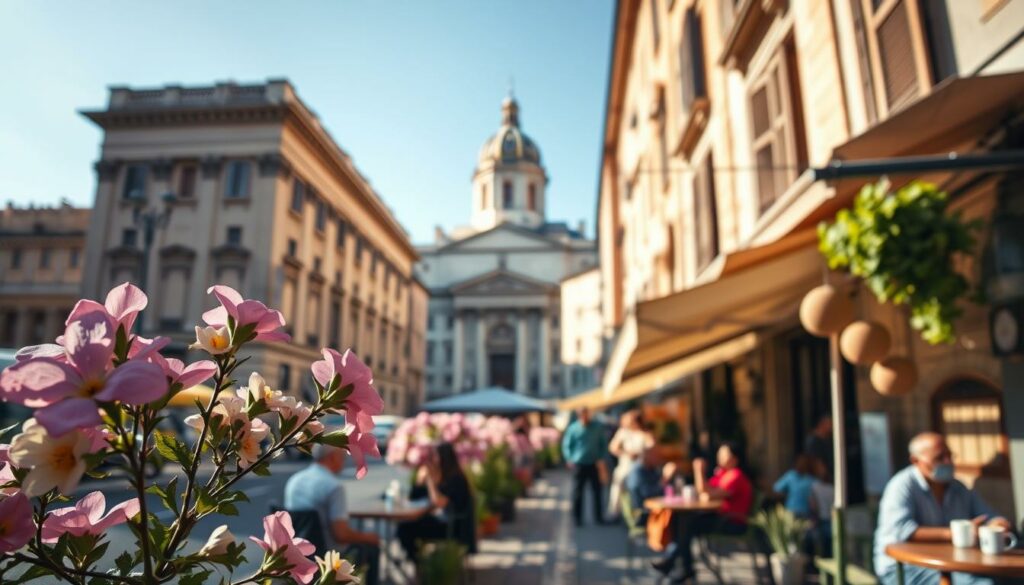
962 532
995 540
689 493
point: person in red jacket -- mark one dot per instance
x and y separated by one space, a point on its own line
728 484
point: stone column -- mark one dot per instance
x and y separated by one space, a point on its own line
22 328
481 351
206 218
54 324
544 351
522 358
161 173
458 350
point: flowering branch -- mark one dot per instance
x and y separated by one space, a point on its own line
97 395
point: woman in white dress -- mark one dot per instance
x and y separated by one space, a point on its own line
628 444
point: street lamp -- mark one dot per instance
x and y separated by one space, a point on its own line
149 221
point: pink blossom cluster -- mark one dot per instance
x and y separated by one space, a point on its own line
543 437
471 435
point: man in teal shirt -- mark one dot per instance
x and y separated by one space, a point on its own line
584 447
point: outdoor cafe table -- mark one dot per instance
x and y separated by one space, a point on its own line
390 516
685 507
947 559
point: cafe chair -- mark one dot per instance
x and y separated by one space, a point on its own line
753 541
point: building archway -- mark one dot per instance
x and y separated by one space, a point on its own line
501 356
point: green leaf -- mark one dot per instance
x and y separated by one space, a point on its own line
195 578
124 563
6 430
333 438
205 503
34 572
168 495
262 470
172 449
96 554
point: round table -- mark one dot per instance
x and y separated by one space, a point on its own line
947 559
389 517
678 505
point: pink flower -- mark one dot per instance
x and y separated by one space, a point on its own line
16 526
53 462
361 445
123 305
174 369
66 392
86 517
278 535
245 312
6 471
364 402
249 442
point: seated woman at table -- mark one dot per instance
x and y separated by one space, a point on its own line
918 504
795 485
728 484
450 494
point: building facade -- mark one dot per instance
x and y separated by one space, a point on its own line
494 317
722 116
582 333
41 259
242 185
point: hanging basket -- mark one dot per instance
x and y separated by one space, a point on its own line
864 342
825 310
894 376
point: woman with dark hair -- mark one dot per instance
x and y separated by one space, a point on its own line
449 494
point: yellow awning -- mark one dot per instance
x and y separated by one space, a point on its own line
660 377
188 396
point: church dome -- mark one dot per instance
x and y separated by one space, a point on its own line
509 144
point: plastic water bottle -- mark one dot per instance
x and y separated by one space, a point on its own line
389 501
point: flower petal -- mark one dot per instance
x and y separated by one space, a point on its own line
228 297
38 382
197 373
47 350
82 308
217 317
92 505
67 415
124 302
135 382
89 342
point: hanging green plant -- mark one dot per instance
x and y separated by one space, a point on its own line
903 244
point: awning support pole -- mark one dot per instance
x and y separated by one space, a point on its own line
982 161
839 458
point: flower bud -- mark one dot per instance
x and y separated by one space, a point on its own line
218 542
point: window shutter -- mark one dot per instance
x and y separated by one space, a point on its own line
896 52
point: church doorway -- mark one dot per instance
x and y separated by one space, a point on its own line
501 356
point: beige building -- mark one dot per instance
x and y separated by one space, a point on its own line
260 198
41 258
724 120
582 330
495 304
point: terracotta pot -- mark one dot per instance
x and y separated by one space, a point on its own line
864 342
894 376
825 310
789 570
489 525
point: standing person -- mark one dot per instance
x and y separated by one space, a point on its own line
450 494
629 443
728 484
318 488
918 504
795 484
584 447
823 495
819 442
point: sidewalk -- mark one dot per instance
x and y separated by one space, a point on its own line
543 547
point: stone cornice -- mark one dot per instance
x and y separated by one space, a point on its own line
203 115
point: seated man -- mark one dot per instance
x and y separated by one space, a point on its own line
645 481
917 506
728 484
318 488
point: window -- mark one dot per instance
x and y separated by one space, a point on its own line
334 324
531 197
360 244
234 235
451 321
484 199
777 126
337 278
129 238
506 195
321 216
284 377
10 329
374 259
293 247
448 353
37 327
691 61
317 264
430 352
44 258
187 182
705 214
339 239
134 182
898 50
655 27
663 160
16 258
237 184
75 254
298 195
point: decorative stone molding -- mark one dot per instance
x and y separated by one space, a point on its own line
210 166
228 255
176 256
273 164
106 170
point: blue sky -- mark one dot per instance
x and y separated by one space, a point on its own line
409 88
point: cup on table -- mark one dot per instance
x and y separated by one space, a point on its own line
963 533
995 540
689 493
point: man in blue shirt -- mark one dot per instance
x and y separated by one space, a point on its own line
584 446
318 488
917 506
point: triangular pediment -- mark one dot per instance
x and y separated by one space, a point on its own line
504 237
501 282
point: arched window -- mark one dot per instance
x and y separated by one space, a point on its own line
531 198
506 195
484 203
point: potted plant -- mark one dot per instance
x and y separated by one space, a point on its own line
785 533
441 562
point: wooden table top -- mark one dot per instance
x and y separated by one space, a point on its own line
678 504
946 558
405 513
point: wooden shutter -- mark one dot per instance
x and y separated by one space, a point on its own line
705 213
898 51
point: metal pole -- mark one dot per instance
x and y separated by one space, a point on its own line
839 459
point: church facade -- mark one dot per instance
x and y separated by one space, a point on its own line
495 285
